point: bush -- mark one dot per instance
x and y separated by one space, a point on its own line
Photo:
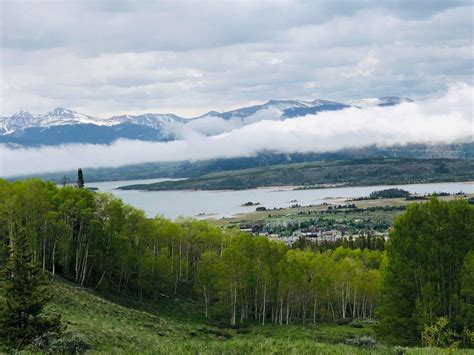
363 341
439 335
68 342
356 324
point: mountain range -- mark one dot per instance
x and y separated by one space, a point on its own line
61 125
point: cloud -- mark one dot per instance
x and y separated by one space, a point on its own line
366 67
211 125
443 119
115 57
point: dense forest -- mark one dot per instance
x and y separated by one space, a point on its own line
96 241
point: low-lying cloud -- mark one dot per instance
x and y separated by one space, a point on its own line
445 119
210 125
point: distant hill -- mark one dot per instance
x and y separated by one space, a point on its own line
192 169
313 174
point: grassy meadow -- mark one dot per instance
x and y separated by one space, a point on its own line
174 327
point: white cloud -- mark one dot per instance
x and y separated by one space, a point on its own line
366 67
211 125
444 119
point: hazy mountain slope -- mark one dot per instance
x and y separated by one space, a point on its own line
187 169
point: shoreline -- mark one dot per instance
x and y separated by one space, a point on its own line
279 188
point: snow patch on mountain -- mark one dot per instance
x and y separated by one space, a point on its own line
61 117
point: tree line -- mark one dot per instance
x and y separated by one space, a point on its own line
99 242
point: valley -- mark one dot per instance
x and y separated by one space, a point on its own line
237 177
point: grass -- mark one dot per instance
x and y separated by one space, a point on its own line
113 328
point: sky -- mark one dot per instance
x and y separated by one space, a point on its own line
186 57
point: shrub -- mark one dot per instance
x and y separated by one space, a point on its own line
356 324
363 341
439 335
68 342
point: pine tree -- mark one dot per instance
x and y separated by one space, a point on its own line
24 295
80 179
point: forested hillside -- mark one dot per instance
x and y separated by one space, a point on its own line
344 173
193 169
97 242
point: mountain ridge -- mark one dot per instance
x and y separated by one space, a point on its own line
61 125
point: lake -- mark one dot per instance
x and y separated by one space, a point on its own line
218 204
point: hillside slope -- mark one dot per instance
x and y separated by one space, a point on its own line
343 173
106 326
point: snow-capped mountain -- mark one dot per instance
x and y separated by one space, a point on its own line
19 120
58 117
66 126
152 120
61 117
289 108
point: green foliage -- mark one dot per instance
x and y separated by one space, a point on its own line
363 341
54 343
24 295
108 327
315 174
424 279
439 335
466 317
389 193
96 241
97 323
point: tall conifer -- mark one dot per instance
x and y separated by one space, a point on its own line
80 178
24 295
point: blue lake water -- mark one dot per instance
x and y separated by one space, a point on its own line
218 204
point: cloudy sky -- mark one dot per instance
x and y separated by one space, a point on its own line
188 57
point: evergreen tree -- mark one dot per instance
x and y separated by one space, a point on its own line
24 295
80 179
